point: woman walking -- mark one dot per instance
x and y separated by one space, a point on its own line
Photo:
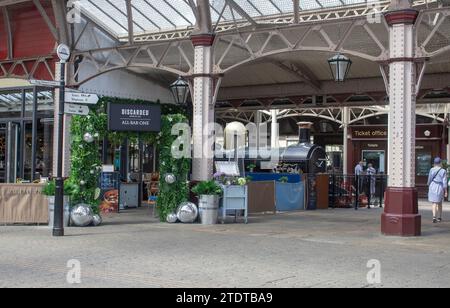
437 183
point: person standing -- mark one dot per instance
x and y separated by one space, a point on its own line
371 172
437 183
359 169
359 179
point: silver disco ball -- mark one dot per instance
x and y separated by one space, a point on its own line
96 220
170 178
82 215
187 212
172 218
88 138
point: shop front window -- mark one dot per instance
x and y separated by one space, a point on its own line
26 134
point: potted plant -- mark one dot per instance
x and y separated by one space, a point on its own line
49 190
284 179
251 168
208 193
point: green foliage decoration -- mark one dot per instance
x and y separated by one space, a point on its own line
171 195
86 158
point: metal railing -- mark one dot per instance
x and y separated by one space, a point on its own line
347 191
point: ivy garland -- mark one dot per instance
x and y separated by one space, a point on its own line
171 195
86 160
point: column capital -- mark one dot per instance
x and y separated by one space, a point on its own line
205 39
403 16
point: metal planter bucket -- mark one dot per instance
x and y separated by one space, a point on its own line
51 211
208 209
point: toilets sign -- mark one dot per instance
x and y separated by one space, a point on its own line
134 117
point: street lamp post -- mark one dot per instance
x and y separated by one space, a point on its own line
63 52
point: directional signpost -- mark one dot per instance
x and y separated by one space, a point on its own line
45 83
81 98
63 52
76 109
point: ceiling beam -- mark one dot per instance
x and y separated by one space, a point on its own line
296 11
303 74
236 7
130 22
10 2
329 87
9 33
47 19
62 27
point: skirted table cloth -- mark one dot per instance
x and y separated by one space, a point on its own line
23 204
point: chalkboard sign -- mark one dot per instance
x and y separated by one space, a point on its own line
134 117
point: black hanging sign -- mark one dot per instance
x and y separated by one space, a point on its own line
134 117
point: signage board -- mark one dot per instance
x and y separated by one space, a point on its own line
76 109
81 98
45 83
134 117
370 133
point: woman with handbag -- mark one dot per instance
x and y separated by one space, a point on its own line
437 183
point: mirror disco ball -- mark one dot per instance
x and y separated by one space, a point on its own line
170 178
187 212
88 138
172 218
82 215
96 220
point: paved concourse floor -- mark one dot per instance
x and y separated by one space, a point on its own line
329 248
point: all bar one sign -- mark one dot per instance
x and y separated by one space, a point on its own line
134 117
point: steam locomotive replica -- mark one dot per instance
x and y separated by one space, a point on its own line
303 157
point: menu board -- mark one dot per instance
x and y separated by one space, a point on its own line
109 197
424 164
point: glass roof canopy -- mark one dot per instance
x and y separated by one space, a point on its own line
153 16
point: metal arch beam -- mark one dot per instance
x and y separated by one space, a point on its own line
304 76
312 112
303 43
116 68
435 30
322 113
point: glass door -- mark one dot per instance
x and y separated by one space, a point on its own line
12 151
3 127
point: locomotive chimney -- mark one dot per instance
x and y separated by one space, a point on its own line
304 132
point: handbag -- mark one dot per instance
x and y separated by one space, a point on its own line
432 180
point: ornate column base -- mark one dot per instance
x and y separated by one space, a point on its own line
401 216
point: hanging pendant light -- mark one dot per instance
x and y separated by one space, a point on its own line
340 67
180 91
